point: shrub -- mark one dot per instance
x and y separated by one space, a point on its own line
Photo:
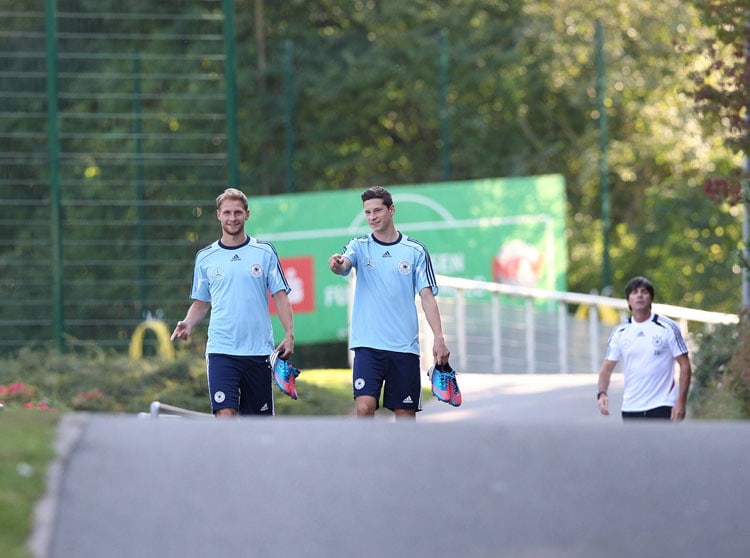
89 378
721 373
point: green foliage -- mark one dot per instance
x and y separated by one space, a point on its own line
719 388
715 348
721 94
721 88
89 378
321 392
679 242
738 369
341 94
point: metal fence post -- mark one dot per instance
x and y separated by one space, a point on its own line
530 336
562 336
230 68
445 150
461 327
497 337
50 25
289 113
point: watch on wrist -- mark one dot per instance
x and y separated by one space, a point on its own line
599 395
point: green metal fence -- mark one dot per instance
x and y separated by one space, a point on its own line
118 128
106 180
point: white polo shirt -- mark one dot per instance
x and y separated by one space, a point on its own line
647 350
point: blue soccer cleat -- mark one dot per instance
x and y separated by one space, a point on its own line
455 398
284 374
444 384
440 384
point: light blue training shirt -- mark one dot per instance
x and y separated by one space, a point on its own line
236 281
389 276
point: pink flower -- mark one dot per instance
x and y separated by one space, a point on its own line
16 388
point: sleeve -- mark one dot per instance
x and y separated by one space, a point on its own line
679 347
613 348
200 290
276 278
424 275
350 251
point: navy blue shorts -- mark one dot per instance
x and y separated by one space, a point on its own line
244 383
399 372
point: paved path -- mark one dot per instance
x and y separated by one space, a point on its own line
522 471
527 398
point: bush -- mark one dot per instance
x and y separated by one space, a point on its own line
721 373
738 368
89 378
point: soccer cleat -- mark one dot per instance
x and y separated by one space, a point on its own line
455 393
284 374
444 384
440 384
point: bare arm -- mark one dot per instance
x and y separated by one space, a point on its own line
605 373
686 371
286 317
440 350
339 264
197 311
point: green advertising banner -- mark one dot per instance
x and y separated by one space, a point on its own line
510 230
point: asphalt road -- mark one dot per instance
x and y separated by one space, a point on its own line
525 468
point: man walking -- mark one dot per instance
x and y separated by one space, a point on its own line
648 345
391 268
232 278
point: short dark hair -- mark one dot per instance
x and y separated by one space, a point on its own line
378 192
637 283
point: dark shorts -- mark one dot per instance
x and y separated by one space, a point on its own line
244 383
396 374
657 413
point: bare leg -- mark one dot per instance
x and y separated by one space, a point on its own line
405 414
365 405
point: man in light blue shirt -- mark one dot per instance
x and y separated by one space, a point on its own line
391 269
232 277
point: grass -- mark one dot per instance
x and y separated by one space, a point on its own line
718 404
321 392
26 448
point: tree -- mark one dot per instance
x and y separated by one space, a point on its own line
367 103
722 93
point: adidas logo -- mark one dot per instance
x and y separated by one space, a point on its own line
387 254
408 399
641 334
236 258
265 405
